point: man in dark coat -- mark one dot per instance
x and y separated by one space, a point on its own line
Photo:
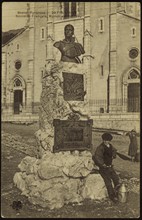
70 50
103 157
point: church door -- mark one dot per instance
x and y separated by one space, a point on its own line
134 97
18 96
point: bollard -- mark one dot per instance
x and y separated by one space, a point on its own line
122 193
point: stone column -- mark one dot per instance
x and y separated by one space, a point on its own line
29 97
11 102
125 87
24 101
30 81
3 78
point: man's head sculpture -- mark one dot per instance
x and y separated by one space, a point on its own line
70 50
68 30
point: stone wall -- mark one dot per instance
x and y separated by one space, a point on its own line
23 118
124 122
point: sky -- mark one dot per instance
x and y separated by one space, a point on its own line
9 12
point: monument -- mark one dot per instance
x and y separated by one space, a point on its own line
62 171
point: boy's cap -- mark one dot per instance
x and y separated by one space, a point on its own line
107 137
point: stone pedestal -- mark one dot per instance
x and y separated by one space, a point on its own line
61 97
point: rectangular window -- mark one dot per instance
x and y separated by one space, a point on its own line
133 32
46 51
70 9
4 91
42 33
101 24
66 9
73 9
102 70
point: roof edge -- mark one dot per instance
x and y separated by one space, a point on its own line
15 36
122 13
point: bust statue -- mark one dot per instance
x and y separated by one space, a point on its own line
70 50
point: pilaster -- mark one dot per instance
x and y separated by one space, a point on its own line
112 74
29 97
30 82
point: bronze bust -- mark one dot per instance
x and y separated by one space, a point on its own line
70 50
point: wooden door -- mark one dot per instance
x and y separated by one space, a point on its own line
18 96
134 97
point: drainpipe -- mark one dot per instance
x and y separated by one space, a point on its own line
83 24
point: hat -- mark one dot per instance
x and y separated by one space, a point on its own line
107 137
133 130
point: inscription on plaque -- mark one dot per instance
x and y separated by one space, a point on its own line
72 135
73 86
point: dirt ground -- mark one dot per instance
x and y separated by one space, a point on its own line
128 171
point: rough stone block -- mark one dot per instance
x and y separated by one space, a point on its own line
94 187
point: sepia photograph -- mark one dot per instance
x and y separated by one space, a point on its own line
70 109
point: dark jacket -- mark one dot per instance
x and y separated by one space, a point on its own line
104 155
133 146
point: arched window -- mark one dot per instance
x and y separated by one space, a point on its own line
17 83
133 74
17 46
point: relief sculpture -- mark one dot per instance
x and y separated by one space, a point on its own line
73 87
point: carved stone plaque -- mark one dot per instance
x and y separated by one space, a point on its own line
73 86
72 135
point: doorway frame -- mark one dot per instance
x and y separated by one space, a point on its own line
126 81
12 88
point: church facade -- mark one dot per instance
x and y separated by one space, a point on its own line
110 34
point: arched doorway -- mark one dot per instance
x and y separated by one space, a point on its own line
131 91
18 95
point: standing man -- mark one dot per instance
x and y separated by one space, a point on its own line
133 146
103 157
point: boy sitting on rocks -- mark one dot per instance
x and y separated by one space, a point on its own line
103 157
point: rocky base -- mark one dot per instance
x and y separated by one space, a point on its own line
59 179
